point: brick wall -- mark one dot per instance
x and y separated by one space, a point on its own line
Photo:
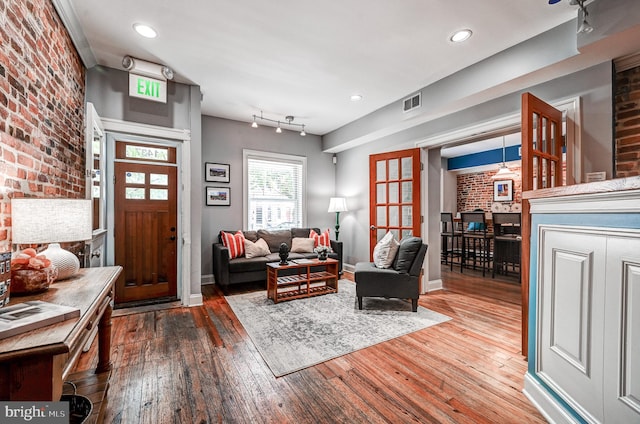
475 190
627 123
42 88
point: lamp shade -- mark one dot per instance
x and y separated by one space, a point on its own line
337 204
36 221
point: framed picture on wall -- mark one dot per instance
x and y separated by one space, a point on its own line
503 191
218 196
216 172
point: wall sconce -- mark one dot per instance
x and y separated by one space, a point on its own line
288 122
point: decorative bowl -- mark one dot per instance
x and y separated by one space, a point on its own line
30 281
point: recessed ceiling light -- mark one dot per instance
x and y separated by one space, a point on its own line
461 35
145 30
356 97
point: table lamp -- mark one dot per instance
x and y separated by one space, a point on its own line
53 221
337 205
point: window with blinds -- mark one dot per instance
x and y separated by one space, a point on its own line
275 187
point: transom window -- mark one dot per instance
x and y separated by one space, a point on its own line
274 190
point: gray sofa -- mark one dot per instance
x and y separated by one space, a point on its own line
228 271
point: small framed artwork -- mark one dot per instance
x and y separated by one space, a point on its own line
216 172
218 196
503 191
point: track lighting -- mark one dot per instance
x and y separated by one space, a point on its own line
584 27
289 122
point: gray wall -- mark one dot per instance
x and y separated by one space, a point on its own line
593 85
223 142
108 90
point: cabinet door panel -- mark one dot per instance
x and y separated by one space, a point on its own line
571 317
622 331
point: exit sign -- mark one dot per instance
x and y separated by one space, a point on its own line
147 88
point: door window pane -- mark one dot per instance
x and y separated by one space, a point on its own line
394 216
159 179
394 196
134 193
158 194
407 216
407 168
407 192
381 193
146 152
135 178
393 169
380 233
381 216
407 233
381 170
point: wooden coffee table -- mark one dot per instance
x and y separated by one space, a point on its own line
296 280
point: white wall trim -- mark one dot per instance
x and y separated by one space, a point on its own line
182 136
545 403
604 202
434 285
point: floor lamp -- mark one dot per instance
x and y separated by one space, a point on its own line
337 205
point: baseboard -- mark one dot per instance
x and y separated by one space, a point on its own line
348 267
434 285
207 279
545 403
195 300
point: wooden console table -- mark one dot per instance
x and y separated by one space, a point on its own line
296 280
34 365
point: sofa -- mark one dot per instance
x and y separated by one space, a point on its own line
227 271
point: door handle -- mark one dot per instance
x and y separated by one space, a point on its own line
373 227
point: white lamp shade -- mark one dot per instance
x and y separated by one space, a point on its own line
36 221
337 204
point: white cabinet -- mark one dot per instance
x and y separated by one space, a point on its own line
582 330
584 339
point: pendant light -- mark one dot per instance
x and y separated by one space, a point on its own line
503 172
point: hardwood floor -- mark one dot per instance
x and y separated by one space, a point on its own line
197 365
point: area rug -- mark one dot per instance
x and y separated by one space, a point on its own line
297 334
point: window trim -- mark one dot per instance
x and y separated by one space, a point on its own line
270 156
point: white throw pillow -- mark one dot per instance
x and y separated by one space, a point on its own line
385 251
302 245
257 249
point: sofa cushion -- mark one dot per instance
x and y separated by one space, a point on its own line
275 238
233 242
249 264
385 251
249 235
255 250
302 245
407 251
323 239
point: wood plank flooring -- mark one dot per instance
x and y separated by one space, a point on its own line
197 365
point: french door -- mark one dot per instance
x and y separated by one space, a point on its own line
542 167
394 193
145 203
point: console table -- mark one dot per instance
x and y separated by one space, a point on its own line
34 365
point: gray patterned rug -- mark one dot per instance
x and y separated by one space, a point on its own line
300 333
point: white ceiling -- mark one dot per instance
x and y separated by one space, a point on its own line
305 58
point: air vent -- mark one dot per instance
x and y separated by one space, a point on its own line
412 102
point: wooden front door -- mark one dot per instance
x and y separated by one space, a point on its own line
145 227
394 195
542 167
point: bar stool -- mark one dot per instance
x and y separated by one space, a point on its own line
476 242
451 239
506 242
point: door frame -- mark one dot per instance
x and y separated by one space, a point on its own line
181 140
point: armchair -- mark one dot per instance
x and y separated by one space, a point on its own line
402 280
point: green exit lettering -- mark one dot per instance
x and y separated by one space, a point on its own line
148 88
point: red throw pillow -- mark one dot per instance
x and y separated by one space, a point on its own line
234 242
321 239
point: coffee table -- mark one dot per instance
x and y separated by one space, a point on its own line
295 280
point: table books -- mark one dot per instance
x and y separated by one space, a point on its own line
27 316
